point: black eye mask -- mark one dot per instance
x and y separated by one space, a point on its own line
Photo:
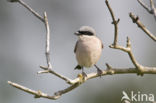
85 33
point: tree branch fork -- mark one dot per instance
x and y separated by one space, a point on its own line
151 9
74 83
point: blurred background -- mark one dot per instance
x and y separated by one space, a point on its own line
22 47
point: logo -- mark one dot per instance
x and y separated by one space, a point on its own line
138 97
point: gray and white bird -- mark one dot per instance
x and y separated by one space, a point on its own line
88 49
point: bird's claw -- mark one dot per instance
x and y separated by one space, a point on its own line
99 72
84 74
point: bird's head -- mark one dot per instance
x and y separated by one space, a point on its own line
85 30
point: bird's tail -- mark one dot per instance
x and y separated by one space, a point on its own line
78 67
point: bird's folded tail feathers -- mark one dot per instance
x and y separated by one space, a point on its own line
78 67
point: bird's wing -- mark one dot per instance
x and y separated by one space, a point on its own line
75 47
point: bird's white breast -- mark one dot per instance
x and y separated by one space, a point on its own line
88 50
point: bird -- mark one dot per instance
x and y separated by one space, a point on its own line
88 49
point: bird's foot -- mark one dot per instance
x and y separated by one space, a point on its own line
99 72
84 74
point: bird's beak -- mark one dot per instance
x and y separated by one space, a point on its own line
76 33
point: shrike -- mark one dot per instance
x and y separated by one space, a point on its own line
88 49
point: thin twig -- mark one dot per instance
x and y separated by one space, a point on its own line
31 10
128 50
151 9
47 47
145 6
37 94
141 26
47 54
46 70
115 22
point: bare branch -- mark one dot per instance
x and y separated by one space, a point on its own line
46 70
111 70
145 6
31 10
37 94
47 54
141 26
151 9
140 68
78 81
47 49
127 49
115 22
